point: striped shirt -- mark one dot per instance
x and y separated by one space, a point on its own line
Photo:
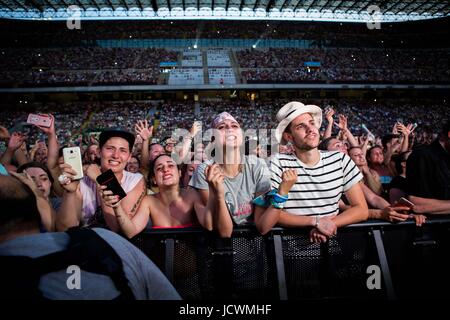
318 188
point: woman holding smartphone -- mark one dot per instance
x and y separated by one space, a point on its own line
172 207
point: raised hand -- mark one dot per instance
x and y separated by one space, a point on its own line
329 113
50 130
141 128
196 127
288 179
16 140
215 178
4 133
343 122
66 178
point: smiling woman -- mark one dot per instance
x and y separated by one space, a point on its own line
170 208
229 182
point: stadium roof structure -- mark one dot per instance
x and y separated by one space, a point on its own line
288 10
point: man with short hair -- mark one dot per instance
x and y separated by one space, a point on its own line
20 238
310 181
428 175
84 204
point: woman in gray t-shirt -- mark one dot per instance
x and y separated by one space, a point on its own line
229 182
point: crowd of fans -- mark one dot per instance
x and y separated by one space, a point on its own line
78 117
82 66
110 66
345 65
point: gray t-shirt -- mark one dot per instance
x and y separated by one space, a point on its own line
240 190
144 278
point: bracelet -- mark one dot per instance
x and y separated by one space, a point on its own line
276 205
279 198
317 221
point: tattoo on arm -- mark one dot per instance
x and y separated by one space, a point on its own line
138 202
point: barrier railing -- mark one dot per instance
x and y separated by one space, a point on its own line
367 260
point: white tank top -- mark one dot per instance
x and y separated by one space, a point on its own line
92 200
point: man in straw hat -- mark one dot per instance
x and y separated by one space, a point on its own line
308 184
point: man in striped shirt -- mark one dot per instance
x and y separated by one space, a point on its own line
313 180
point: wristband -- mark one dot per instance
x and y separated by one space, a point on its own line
277 197
276 205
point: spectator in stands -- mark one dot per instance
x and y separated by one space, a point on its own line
133 165
38 178
228 183
92 154
170 208
371 178
428 175
19 236
379 207
309 183
81 202
398 187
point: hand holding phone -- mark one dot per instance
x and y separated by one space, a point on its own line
72 156
108 179
41 120
405 202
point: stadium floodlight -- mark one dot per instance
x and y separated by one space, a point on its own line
205 12
287 13
120 12
274 13
163 12
191 12
134 12
61 13
177 12
219 12
233 12
48 13
106 12
148 12
247 12
260 12
300 13
91 12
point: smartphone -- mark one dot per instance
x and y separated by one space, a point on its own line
72 156
405 202
108 179
40 120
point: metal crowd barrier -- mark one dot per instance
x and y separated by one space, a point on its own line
371 260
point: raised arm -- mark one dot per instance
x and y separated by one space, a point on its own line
343 125
70 212
187 141
14 143
329 129
146 133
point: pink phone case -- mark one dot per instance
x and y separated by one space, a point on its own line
39 120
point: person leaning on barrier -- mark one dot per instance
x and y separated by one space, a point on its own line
307 185
228 183
169 208
82 201
428 175
35 265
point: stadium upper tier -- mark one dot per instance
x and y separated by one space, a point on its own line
419 34
77 66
